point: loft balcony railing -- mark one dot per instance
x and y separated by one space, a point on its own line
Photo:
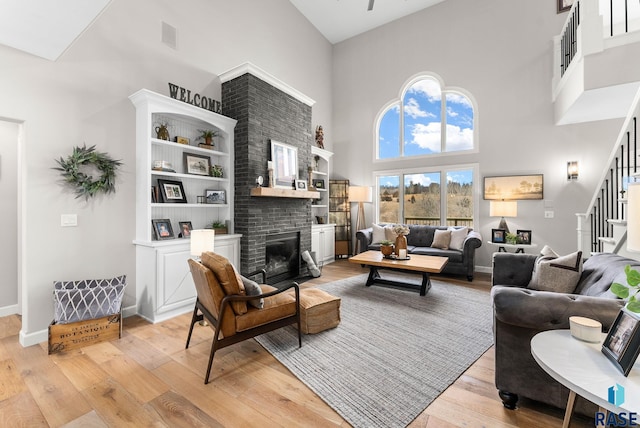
609 202
435 221
590 26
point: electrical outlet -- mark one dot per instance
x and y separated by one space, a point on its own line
68 220
548 214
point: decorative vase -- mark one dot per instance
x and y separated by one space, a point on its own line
386 250
401 244
162 133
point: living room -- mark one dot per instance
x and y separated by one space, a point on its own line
499 51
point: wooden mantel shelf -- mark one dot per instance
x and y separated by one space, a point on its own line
277 192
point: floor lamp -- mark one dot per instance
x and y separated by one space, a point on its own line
360 194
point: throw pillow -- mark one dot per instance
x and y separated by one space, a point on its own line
378 234
458 235
441 239
558 274
389 234
253 289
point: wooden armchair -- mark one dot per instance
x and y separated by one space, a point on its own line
222 301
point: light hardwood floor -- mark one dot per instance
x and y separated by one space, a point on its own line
147 378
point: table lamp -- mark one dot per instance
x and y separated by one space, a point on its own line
201 241
633 217
503 209
360 194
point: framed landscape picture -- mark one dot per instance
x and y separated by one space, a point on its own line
513 187
172 191
196 164
215 197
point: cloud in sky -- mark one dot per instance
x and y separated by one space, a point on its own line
427 137
430 88
459 138
422 179
412 108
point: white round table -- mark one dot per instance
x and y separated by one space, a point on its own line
585 370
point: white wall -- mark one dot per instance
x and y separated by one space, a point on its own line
82 98
9 132
501 52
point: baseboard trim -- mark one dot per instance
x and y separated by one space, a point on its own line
8 310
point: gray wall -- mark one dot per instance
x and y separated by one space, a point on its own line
9 215
501 52
82 98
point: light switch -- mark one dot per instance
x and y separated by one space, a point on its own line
68 220
548 214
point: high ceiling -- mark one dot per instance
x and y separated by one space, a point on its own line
46 28
339 20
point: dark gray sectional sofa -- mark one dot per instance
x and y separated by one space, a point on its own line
520 313
419 240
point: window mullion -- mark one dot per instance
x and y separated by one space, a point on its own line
443 123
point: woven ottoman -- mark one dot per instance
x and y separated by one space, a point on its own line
319 310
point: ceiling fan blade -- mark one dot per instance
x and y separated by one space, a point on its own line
370 8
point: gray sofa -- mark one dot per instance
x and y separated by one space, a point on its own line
521 313
419 241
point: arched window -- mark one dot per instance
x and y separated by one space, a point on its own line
414 124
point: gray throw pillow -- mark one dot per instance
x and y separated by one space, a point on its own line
253 289
458 236
558 274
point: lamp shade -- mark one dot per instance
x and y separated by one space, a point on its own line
360 194
633 217
201 241
503 208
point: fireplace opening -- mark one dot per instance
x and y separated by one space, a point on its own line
282 256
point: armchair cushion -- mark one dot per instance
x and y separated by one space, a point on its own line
559 274
228 277
275 307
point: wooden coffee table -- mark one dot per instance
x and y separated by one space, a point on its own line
417 263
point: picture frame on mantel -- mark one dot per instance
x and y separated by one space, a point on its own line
285 164
564 5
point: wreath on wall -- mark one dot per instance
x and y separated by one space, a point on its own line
76 169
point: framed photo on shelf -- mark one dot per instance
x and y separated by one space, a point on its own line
185 229
498 236
622 344
215 196
162 229
524 237
285 164
513 187
171 191
301 185
196 164
318 183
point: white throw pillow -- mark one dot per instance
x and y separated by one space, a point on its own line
441 239
389 234
457 237
378 234
558 274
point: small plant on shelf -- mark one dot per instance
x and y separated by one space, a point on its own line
219 227
207 135
512 238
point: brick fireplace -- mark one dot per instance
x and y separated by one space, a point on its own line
266 113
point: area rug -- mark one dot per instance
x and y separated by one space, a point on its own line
394 351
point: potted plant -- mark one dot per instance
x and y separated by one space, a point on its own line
386 248
207 135
512 238
631 291
218 227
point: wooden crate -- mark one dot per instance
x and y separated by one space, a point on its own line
65 337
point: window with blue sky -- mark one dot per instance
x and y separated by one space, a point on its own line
413 126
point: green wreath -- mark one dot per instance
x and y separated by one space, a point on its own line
84 184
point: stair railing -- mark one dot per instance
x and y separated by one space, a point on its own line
608 202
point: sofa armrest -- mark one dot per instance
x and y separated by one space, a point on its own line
546 310
364 237
471 242
512 270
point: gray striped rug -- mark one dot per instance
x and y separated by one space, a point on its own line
394 351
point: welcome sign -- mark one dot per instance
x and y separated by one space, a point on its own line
179 93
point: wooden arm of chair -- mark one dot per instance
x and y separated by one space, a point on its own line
263 272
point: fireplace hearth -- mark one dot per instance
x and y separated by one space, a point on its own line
282 256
